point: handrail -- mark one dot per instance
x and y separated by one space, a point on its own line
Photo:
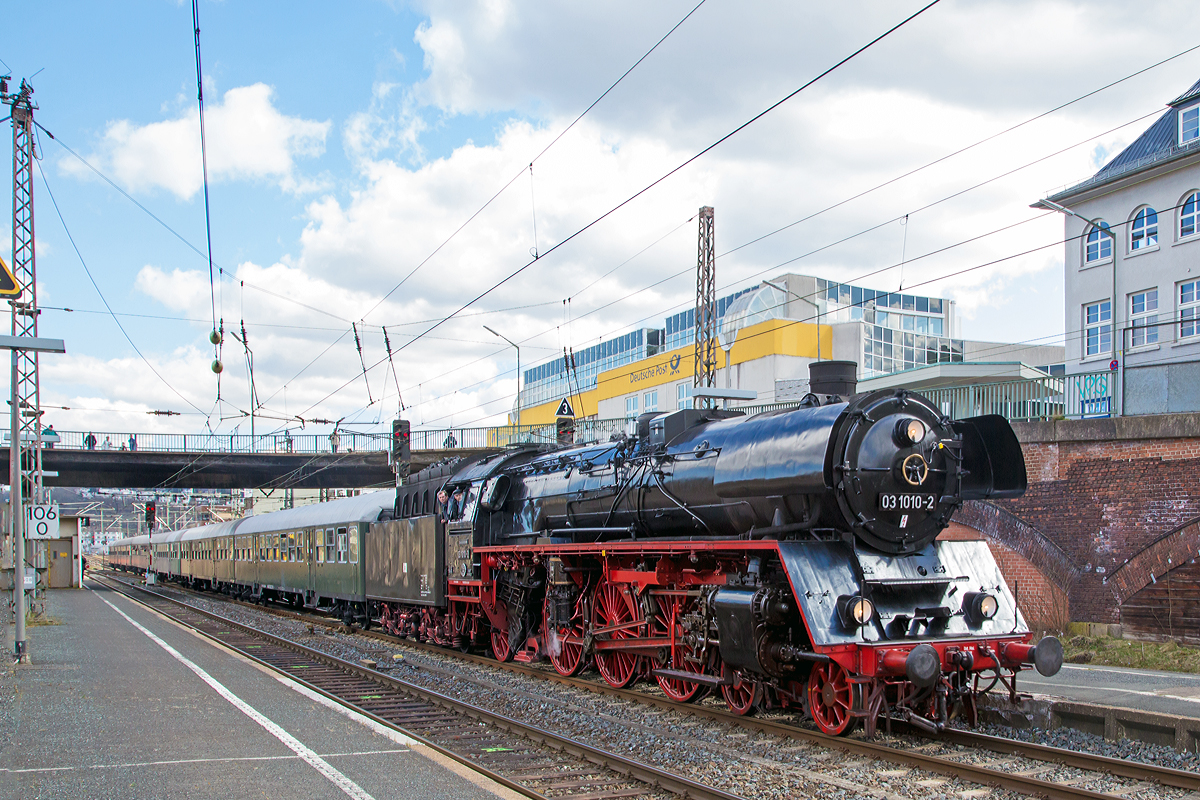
1086 394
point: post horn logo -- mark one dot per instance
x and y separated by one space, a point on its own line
675 363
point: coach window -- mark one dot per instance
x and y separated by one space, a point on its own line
354 544
404 507
341 545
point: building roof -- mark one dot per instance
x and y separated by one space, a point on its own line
1156 144
1189 95
963 373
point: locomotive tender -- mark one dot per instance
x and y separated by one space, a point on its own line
784 559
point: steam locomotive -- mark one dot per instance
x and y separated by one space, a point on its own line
787 559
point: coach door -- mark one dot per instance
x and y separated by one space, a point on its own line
310 567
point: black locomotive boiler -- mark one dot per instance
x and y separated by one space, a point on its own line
786 559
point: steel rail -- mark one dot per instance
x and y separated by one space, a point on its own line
1133 770
627 767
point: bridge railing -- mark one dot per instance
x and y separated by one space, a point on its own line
1083 395
221 442
1088 394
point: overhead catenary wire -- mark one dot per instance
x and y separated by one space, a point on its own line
842 240
326 312
571 237
507 184
532 161
104 300
204 163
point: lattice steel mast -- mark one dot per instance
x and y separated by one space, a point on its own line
705 374
24 306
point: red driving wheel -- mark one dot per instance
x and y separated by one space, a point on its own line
613 607
742 696
832 698
500 648
667 623
565 641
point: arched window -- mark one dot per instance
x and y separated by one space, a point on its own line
1099 243
1189 216
1145 230
425 502
404 508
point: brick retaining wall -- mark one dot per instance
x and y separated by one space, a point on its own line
1102 491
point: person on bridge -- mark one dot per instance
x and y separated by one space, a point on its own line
334 440
450 442
132 442
89 441
49 437
108 445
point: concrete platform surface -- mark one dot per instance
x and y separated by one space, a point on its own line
1175 693
106 711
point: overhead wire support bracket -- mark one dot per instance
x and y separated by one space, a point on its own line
362 361
387 343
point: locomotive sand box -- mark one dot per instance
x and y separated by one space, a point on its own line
787 559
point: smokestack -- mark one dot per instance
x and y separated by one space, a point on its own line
833 377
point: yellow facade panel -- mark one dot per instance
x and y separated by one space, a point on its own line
772 337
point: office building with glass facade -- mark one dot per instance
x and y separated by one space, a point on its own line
768 333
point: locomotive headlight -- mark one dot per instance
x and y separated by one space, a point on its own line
979 606
854 611
910 431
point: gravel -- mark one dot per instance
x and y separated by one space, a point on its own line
740 761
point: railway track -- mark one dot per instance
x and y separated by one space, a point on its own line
535 762
1014 766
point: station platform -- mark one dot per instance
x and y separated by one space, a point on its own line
105 710
1176 693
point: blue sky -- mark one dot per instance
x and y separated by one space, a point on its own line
345 146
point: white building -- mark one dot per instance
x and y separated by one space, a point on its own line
1132 268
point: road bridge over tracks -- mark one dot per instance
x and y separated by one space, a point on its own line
224 461
108 459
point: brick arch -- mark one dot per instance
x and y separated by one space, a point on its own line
1009 530
1172 549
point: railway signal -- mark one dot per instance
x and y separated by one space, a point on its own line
150 512
401 446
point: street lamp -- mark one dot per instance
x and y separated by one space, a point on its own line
518 349
1113 321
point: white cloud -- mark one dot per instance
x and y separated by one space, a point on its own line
246 137
513 75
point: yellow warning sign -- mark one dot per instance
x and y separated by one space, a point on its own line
8 284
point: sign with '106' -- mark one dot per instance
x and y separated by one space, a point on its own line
41 521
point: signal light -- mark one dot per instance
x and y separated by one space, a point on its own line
401 441
150 513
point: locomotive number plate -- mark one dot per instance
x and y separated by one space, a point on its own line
904 501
